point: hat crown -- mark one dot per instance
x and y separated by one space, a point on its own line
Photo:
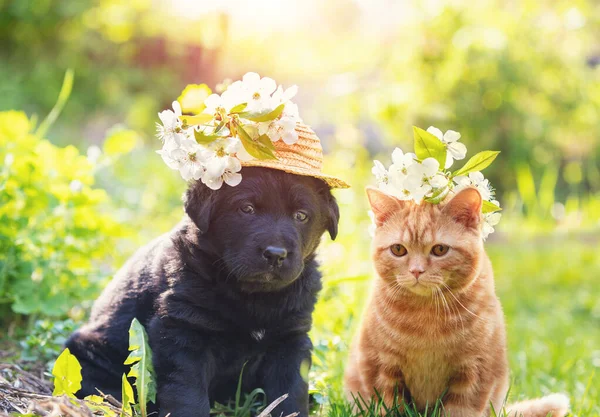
305 157
307 153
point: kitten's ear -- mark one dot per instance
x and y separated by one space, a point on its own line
382 204
465 208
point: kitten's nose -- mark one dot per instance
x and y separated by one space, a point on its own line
275 255
416 271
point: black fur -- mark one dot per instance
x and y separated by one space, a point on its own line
211 302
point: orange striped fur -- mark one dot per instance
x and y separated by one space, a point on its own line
441 330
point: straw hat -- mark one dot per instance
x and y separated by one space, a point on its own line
304 157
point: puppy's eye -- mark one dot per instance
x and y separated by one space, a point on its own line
247 209
440 250
300 216
398 250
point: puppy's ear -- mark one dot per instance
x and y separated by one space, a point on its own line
333 212
198 202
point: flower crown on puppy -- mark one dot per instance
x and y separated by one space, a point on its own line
252 123
425 174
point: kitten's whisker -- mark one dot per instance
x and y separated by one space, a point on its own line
461 304
437 293
446 307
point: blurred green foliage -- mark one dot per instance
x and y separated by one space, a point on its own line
54 233
45 340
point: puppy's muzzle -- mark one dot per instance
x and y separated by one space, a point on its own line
275 255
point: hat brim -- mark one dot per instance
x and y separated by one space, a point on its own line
332 182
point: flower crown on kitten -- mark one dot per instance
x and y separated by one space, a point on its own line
425 174
238 125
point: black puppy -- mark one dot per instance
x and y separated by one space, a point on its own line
234 283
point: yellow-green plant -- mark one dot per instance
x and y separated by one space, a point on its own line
140 359
55 232
67 377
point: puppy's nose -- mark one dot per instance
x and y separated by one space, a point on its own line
416 272
275 255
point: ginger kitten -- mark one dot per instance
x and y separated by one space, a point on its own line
433 325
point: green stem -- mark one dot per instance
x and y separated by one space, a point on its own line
63 96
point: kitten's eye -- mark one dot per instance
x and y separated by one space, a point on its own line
440 250
247 209
300 216
398 250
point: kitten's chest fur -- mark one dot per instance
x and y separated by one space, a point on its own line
426 375
426 360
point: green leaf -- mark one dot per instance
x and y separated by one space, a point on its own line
203 139
266 141
264 116
142 369
198 119
67 374
258 148
238 391
429 146
127 395
477 162
488 207
120 142
438 195
239 108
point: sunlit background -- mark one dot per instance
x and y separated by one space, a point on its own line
521 77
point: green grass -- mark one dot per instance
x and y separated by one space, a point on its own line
549 291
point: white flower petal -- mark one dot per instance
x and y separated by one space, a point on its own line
451 136
267 85
176 108
397 156
476 177
435 132
232 179
290 92
212 183
438 181
430 166
449 160
243 155
251 78
215 167
212 102
458 150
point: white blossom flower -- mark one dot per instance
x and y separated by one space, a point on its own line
401 162
230 176
490 220
283 96
381 174
454 149
220 162
258 91
185 157
283 127
477 180
170 122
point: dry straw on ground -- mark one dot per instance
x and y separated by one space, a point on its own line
25 392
